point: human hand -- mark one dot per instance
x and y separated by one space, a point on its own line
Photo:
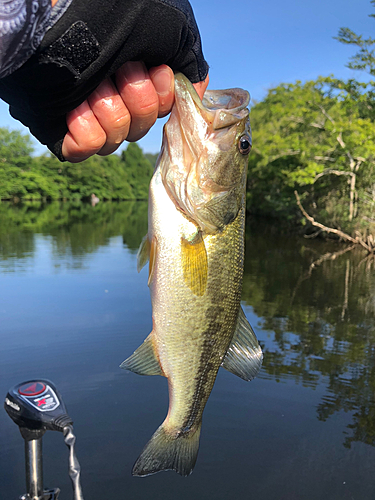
125 111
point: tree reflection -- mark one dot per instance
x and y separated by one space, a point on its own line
318 302
76 228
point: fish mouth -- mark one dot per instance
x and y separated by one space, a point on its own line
221 108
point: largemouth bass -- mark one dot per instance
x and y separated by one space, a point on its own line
195 248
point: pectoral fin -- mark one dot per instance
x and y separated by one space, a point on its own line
244 356
143 254
194 264
153 254
144 360
147 252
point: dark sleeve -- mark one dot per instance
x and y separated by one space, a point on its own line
88 44
22 27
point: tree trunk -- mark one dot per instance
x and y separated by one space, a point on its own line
352 193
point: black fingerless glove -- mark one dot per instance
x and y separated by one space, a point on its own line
89 43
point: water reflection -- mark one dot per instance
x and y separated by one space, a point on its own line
76 229
317 315
320 315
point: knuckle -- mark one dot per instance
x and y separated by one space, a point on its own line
95 142
120 121
146 107
89 146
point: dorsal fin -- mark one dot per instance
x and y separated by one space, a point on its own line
244 356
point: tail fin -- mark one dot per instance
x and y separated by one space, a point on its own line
167 452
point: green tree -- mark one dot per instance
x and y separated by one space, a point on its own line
312 137
364 59
31 178
138 170
15 148
15 151
152 157
317 138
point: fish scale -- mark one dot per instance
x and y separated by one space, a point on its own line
195 248
210 316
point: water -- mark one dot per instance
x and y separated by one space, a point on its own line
72 308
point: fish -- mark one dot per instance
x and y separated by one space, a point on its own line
195 250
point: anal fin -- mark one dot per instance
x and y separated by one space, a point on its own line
143 361
244 356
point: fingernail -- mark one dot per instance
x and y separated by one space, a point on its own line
162 82
134 72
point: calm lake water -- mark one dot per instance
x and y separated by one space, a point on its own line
72 308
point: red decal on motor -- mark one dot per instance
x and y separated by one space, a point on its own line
31 388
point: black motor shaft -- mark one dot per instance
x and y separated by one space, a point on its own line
37 406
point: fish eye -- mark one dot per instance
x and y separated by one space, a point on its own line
244 145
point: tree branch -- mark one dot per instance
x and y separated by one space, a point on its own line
317 125
334 172
296 119
326 114
340 141
316 263
342 235
324 158
368 219
348 154
290 152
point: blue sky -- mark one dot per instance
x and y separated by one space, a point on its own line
259 44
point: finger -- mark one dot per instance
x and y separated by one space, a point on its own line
85 137
139 96
201 87
112 115
163 79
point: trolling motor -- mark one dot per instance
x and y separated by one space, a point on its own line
36 406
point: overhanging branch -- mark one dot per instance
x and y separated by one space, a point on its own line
333 172
342 235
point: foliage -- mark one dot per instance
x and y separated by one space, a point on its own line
317 138
313 137
138 170
364 59
152 158
15 148
34 178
